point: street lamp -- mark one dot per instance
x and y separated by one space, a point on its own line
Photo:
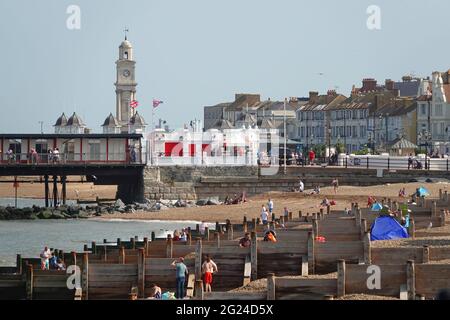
329 143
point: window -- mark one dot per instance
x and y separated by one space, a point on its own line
302 132
355 114
355 132
438 110
442 128
423 110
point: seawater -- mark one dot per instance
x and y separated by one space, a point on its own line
28 237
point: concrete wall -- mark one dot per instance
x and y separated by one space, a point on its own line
190 183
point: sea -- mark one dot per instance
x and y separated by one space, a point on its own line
29 237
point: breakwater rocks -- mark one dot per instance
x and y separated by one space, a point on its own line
97 210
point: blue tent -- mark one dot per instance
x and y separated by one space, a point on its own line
377 207
387 228
423 192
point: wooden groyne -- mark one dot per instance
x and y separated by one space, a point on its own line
122 269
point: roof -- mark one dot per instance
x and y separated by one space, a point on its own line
402 143
75 120
111 121
61 121
224 124
407 88
137 120
70 136
266 124
397 107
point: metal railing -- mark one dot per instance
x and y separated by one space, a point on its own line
72 158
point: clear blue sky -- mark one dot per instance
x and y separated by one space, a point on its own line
200 52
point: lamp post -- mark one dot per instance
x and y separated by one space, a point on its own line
285 136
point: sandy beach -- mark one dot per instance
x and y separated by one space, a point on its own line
293 201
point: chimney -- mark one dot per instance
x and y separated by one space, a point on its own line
331 94
389 84
369 84
313 96
406 78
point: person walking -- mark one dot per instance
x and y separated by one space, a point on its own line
270 205
312 156
335 184
208 268
301 186
181 273
264 215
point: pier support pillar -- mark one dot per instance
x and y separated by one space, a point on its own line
63 189
47 191
55 191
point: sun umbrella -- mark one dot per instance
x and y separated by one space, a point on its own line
423 192
377 207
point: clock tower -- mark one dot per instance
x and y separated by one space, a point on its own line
125 84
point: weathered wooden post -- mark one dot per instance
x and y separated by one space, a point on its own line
145 246
197 228
153 236
290 216
321 214
189 239
198 290
363 228
85 248
315 227
434 209
29 282
217 236
94 247
85 276
198 260
169 246
218 227
311 261
141 273
411 280
367 249
254 256
341 278
207 234
426 254
254 224
304 267
440 194
105 240
358 218
230 232
73 258
271 294
133 243
300 214
19 264
122 255
412 229
442 218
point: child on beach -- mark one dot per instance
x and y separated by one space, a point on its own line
208 268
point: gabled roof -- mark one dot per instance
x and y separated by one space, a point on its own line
402 143
137 120
111 121
266 124
407 88
75 120
61 121
224 124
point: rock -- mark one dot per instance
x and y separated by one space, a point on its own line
57 215
119 204
413 180
213 202
83 215
429 180
202 202
46 214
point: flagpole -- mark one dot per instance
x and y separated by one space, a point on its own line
153 135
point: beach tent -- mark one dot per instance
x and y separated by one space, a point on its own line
387 228
377 207
423 192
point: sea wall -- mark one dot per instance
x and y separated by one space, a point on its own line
190 183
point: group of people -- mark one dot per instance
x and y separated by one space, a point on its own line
180 235
236 199
49 261
316 189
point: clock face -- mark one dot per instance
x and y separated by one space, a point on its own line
126 73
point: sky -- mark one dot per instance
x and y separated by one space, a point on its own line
195 53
